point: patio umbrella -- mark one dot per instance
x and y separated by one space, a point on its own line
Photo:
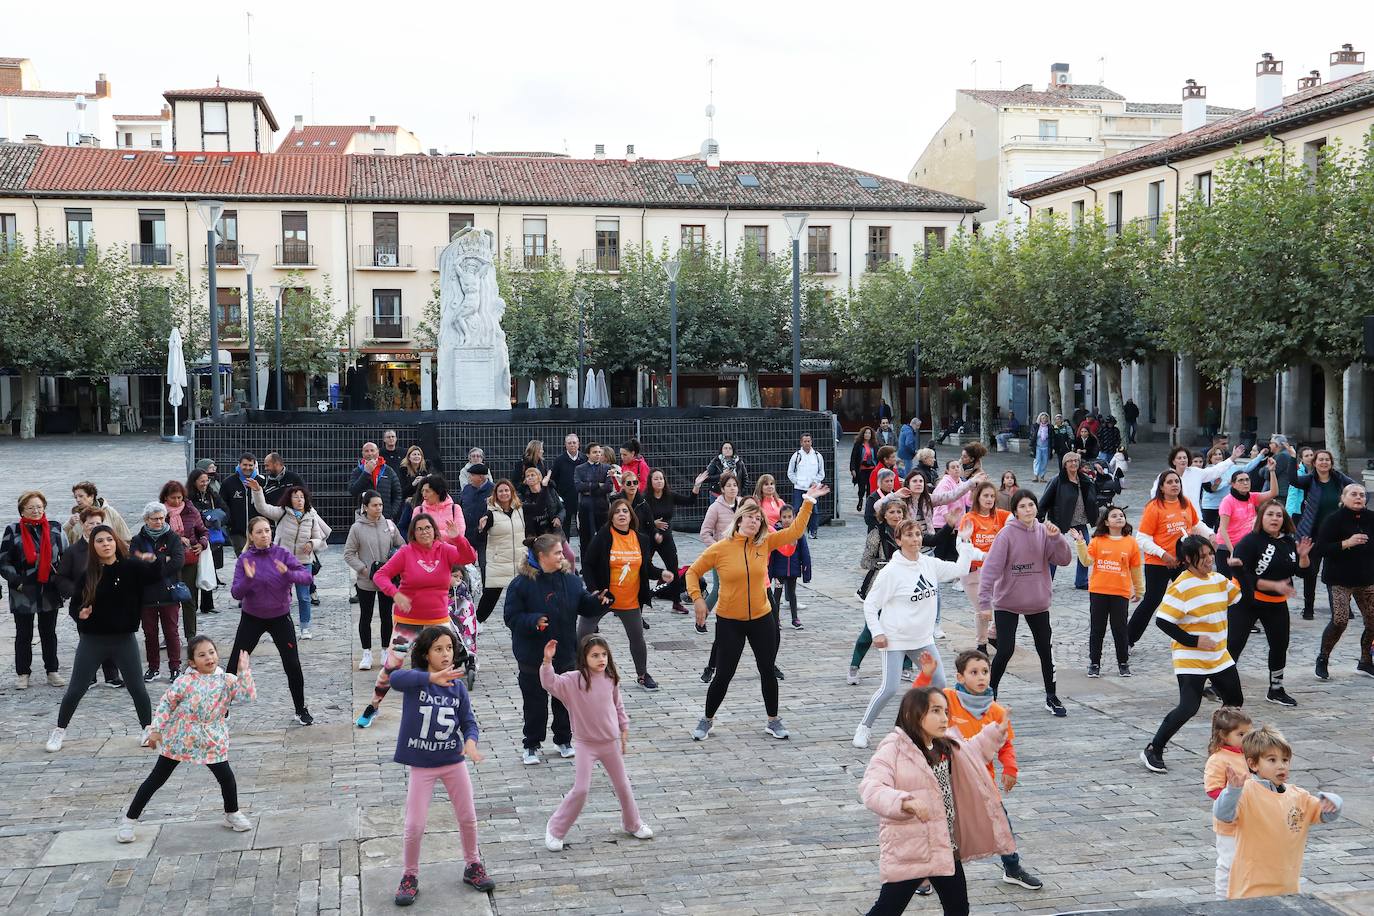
570 391
603 396
533 400
176 379
590 401
742 399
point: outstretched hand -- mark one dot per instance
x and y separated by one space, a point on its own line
281 567
817 490
243 661
446 677
1234 780
249 569
927 663
550 649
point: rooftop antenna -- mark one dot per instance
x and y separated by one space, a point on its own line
312 97
974 64
1102 71
472 133
710 97
250 50
999 73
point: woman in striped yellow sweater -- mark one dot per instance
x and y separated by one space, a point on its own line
1194 613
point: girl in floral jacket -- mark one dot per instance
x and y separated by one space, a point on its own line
190 724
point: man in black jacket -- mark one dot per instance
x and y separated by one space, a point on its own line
564 473
372 473
1070 501
238 501
276 478
391 452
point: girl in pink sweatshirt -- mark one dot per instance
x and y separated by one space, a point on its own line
601 732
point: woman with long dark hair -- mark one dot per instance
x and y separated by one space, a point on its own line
662 504
1167 519
185 520
1321 497
201 493
863 458
1265 562
1346 540
728 460
372 539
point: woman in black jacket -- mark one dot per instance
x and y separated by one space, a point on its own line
1069 501
1086 444
542 506
593 483
533 458
863 458
71 580
1265 562
1346 542
156 541
620 561
111 598
201 493
632 491
662 502
727 460
29 554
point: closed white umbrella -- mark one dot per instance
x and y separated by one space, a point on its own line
742 399
591 402
532 400
570 391
603 395
176 380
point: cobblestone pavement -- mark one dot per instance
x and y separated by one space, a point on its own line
745 824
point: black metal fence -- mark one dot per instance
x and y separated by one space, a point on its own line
324 448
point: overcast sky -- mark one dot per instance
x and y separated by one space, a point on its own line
859 83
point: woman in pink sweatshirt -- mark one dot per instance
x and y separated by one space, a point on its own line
1016 583
601 731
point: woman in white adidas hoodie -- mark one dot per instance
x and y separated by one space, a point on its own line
900 611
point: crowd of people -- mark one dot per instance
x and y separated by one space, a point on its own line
432 562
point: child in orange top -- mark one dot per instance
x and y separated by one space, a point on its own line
1230 725
1115 577
971 709
1271 817
980 526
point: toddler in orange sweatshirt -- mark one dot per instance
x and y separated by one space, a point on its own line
1230 725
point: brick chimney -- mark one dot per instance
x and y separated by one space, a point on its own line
1346 62
1268 83
102 87
1194 105
1311 81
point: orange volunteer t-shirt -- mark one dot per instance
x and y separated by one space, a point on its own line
1226 758
1166 522
1113 559
1271 836
625 563
985 528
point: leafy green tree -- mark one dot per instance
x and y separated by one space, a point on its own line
427 329
312 329
540 320
628 316
876 325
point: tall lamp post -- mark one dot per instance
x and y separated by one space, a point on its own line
796 225
580 296
276 298
250 262
210 211
671 268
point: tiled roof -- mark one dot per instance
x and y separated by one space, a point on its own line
166 116
223 93
112 172
11 61
1174 108
71 171
313 139
40 93
1350 94
1022 96
1091 91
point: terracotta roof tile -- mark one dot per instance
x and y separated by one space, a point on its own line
1091 91
144 117
1174 108
1020 96
16 163
313 139
223 93
11 61
40 93
1352 93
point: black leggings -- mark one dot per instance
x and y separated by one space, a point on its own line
895 896
283 632
366 599
487 603
761 634
1039 625
1157 579
1227 683
865 474
1104 610
162 771
788 590
1272 615
95 649
23 641
1309 584
667 549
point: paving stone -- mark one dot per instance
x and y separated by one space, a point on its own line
197 837
74 846
442 892
306 825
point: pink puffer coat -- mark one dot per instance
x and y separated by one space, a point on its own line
912 847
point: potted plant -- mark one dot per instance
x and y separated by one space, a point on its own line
116 425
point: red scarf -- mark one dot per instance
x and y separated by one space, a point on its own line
376 472
37 545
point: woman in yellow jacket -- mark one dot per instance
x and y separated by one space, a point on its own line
743 612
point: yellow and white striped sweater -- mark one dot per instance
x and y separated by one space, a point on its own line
1198 606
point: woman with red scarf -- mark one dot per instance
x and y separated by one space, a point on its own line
28 562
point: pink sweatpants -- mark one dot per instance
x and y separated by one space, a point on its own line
418 794
614 765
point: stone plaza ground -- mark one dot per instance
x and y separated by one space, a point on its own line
745 824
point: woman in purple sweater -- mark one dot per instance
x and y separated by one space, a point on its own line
1016 583
264 580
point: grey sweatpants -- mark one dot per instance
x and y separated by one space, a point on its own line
633 622
892 677
93 649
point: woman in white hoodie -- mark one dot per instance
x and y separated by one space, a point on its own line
900 611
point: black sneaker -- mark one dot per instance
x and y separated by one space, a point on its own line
353 599
173 674
1019 875
408 891
777 673
1053 705
707 674
1280 696
304 717
115 683
797 624
925 889
1366 668
701 627
1308 615
476 876
150 675
1320 670
1124 670
647 681
983 647
1153 760
314 600
1210 693
1094 671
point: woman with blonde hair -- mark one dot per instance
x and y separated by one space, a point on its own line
413 470
533 458
766 495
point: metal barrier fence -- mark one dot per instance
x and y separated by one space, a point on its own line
324 448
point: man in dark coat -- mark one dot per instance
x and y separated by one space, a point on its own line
564 473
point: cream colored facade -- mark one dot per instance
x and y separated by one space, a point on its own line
143 132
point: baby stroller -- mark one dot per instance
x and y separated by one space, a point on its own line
462 614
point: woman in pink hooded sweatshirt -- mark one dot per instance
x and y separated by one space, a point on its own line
936 806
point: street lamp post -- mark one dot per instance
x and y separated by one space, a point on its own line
276 298
916 370
796 225
671 268
250 261
210 211
581 297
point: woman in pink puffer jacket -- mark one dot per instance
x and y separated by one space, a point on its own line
932 793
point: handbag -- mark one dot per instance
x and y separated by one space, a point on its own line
179 592
205 572
315 565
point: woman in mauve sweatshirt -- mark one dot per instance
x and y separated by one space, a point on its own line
264 579
1016 583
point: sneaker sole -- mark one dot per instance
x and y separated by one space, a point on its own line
1059 712
778 737
1277 702
1150 766
1094 674
1364 672
1008 879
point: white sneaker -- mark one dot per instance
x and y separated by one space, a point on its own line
22 682
551 842
530 757
852 677
801 607
55 740
237 822
56 680
306 634
479 628
861 735
908 674
643 832
958 586
939 633
143 739
566 750
125 834
366 663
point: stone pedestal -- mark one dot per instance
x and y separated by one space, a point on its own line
473 384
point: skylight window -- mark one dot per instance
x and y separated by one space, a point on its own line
169 158
748 181
686 179
300 143
868 181
333 142
127 156
314 143
226 160
197 158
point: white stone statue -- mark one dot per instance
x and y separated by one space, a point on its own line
474 363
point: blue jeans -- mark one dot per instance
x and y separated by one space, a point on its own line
797 495
303 603
1080 572
1042 459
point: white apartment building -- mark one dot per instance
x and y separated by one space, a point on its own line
29 112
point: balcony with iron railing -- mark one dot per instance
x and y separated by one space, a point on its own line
601 260
145 255
821 262
876 259
385 257
226 254
295 254
389 327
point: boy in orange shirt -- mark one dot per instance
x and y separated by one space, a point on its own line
971 709
1271 817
